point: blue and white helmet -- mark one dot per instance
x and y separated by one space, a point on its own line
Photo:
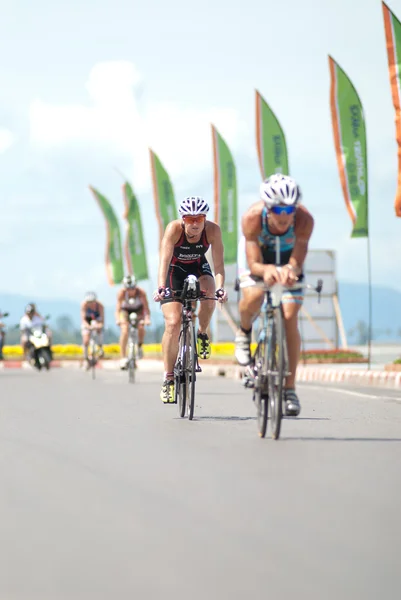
193 205
280 189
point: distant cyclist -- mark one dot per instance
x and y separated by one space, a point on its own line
183 248
278 213
131 298
92 317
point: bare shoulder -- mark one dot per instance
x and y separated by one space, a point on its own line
251 220
213 230
255 209
120 293
304 222
173 230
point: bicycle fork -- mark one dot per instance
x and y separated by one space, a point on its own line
184 349
268 331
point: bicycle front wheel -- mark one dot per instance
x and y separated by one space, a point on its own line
260 394
191 370
131 363
92 357
180 383
276 372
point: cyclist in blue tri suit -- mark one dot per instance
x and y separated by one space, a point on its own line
92 316
278 213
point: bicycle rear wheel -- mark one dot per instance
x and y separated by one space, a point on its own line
191 370
276 372
260 394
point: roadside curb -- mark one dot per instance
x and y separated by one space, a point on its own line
380 378
304 374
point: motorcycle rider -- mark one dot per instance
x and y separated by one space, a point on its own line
30 319
2 334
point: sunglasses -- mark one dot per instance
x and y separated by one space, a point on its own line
194 219
279 210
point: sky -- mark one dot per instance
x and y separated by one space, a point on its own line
88 87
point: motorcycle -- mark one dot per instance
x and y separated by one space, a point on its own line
2 333
39 350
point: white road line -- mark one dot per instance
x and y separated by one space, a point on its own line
351 393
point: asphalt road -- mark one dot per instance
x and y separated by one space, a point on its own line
105 493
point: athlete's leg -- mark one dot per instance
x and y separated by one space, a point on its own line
207 307
85 340
292 302
172 321
123 333
249 309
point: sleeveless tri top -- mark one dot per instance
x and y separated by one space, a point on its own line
92 314
187 252
267 242
132 303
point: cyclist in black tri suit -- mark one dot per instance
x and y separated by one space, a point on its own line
182 253
92 316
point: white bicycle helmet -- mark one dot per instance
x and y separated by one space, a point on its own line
129 281
90 297
280 189
193 205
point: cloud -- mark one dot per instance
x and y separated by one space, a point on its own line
73 145
119 122
7 139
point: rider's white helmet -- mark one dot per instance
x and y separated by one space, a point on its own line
280 189
30 308
193 205
129 281
90 297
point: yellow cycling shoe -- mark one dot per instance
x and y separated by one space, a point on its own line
167 392
203 345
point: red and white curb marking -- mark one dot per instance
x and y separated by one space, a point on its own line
383 378
110 365
304 374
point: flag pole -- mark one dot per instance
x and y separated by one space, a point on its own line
369 304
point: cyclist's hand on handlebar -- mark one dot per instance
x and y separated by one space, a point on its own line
288 275
161 293
271 275
221 295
